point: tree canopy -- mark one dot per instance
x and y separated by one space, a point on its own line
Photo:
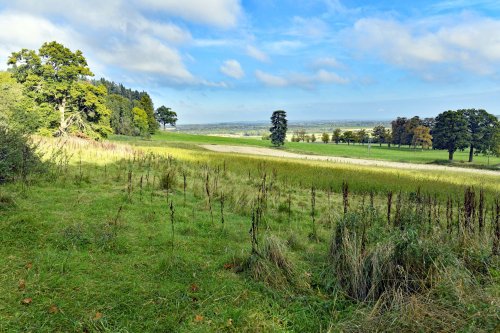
451 132
482 127
55 77
166 116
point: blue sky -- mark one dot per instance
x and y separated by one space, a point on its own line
230 60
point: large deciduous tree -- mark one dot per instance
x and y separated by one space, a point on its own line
450 132
409 129
348 136
141 126
379 134
398 131
482 127
55 76
166 116
337 135
278 128
422 137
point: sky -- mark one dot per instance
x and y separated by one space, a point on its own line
231 60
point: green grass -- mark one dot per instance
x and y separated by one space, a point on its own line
402 154
89 266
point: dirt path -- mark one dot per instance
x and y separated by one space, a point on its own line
398 165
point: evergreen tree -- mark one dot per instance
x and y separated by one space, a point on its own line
278 128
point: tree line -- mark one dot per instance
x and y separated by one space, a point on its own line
473 129
49 91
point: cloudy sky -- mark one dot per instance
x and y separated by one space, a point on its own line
231 60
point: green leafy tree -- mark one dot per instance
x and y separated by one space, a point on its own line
379 134
388 137
140 122
16 110
54 76
398 131
409 129
146 103
325 137
313 138
361 136
450 132
348 136
278 128
482 127
122 120
337 135
166 116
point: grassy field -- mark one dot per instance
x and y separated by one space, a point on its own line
154 237
331 149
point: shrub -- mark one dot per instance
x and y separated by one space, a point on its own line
18 156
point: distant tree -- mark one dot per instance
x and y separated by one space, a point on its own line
325 138
388 137
313 138
140 122
398 131
278 128
482 127
495 148
379 134
409 129
361 136
166 116
348 136
301 135
55 76
307 138
429 122
422 137
450 132
337 135
146 103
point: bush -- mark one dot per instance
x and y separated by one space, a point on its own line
18 156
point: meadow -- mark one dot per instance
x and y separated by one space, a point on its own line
159 236
403 154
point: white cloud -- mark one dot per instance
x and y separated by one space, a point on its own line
308 27
270 80
461 42
284 47
232 68
222 13
255 53
149 56
305 81
18 31
326 62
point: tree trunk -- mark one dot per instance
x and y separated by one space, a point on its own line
450 155
62 109
471 153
